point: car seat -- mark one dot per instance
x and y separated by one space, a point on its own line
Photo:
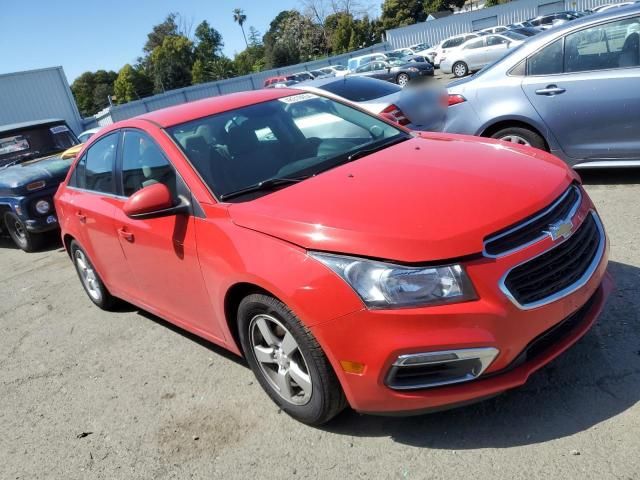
630 53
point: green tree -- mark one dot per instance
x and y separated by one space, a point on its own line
239 17
208 42
92 90
399 13
292 38
171 63
168 28
491 3
250 60
131 84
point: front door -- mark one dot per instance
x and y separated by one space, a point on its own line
586 90
161 252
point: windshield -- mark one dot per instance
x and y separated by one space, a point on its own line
514 35
35 142
291 137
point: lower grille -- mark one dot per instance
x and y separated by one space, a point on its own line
559 271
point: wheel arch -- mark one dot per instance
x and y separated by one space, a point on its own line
506 123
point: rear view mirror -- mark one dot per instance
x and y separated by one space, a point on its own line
153 201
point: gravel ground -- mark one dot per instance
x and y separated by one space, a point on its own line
90 394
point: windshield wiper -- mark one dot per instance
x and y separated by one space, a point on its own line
22 158
268 184
374 148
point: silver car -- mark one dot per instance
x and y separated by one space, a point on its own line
415 108
474 54
573 90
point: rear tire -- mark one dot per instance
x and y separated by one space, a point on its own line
520 136
24 240
91 281
460 69
288 361
402 79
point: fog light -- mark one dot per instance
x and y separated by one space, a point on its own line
434 369
42 207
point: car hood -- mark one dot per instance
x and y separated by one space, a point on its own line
14 179
433 197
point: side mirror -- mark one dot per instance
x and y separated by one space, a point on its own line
152 202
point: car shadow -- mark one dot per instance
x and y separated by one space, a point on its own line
610 176
52 242
595 380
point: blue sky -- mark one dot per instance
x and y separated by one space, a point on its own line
86 35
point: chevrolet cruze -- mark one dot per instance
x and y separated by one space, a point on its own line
351 263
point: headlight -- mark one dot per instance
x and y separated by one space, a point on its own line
42 207
385 285
412 69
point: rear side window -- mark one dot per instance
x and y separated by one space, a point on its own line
612 45
361 89
473 45
144 164
95 169
547 61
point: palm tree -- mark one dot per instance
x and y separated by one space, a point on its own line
240 18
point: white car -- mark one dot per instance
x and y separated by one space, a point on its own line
449 44
498 29
336 70
87 134
414 108
478 52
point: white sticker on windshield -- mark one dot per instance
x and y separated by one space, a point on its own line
59 129
298 98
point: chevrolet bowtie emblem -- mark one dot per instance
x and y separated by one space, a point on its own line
561 228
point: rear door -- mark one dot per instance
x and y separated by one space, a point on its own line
474 53
585 87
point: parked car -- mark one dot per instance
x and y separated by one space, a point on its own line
83 137
547 21
478 52
404 52
527 31
416 109
30 171
273 80
450 44
418 47
498 29
337 70
526 23
572 90
396 71
384 270
355 62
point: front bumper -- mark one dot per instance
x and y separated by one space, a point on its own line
42 224
377 338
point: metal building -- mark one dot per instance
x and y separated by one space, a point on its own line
38 94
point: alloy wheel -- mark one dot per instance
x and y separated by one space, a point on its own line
516 139
460 70
403 79
280 359
88 276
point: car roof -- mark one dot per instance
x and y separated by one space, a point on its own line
186 112
35 123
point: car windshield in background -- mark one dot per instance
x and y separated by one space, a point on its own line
361 89
513 35
35 142
278 142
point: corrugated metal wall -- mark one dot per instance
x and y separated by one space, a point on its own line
435 31
213 89
37 95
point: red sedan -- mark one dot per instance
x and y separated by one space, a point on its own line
350 261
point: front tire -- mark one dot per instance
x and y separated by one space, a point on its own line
25 240
460 69
91 281
520 136
288 361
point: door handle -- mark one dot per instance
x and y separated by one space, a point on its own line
550 90
81 217
128 236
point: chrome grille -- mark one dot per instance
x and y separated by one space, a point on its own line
534 228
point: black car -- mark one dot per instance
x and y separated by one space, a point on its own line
396 71
30 172
548 21
527 31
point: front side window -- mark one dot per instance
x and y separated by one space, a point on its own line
547 61
95 170
290 137
144 164
612 45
